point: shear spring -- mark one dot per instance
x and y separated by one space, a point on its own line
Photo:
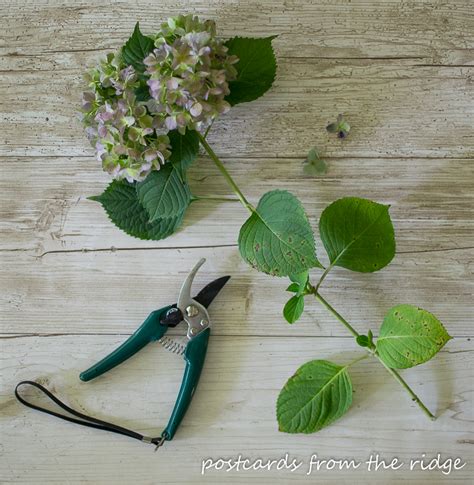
172 346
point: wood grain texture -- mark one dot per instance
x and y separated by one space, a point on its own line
438 32
85 292
382 100
402 72
240 384
48 210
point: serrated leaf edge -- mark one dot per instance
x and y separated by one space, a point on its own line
355 239
340 371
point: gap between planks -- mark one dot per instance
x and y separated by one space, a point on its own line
175 248
7 158
289 58
10 336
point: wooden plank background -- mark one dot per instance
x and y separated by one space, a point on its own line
72 286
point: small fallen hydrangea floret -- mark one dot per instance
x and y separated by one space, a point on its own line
128 114
341 127
314 165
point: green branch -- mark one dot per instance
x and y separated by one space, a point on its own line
225 173
393 372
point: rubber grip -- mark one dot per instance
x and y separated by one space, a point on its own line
148 331
195 355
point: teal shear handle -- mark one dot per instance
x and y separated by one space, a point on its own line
149 331
194 356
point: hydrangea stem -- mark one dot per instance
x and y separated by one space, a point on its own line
225 173
314 290
336 314
393 372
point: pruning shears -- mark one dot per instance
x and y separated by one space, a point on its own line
193 311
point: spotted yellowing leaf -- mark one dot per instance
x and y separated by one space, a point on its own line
277 238
410 336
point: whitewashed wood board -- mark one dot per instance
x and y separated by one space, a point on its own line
232 412
112 292
49 211
383 102
437 32
402 72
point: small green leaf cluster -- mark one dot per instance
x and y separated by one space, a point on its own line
295 305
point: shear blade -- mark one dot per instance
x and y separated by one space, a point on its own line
205 297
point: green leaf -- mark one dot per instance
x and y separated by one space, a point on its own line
319 393
142 92
410 336
294 287
362 340
370 337
121 203
184 148
136 49
366 340
256 68
301 279
357 234
164 193
277 238
294 308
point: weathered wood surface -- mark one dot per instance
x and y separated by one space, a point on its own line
232 413
111 292
402 72
49 210
383 100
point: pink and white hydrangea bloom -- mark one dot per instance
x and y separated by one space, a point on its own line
184 86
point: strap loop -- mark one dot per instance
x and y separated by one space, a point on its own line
84 420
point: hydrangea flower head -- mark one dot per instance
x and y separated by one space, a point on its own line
128 114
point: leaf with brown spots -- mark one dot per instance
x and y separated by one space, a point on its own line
277 238
410 336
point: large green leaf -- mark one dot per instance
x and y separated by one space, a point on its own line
294 308
184 148
319 393
410 336
137 47
277 238
357 234
121 203
164 193
256 68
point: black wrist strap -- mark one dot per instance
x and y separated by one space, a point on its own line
84 420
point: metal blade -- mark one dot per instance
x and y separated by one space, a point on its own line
210 291
184 297
205 297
